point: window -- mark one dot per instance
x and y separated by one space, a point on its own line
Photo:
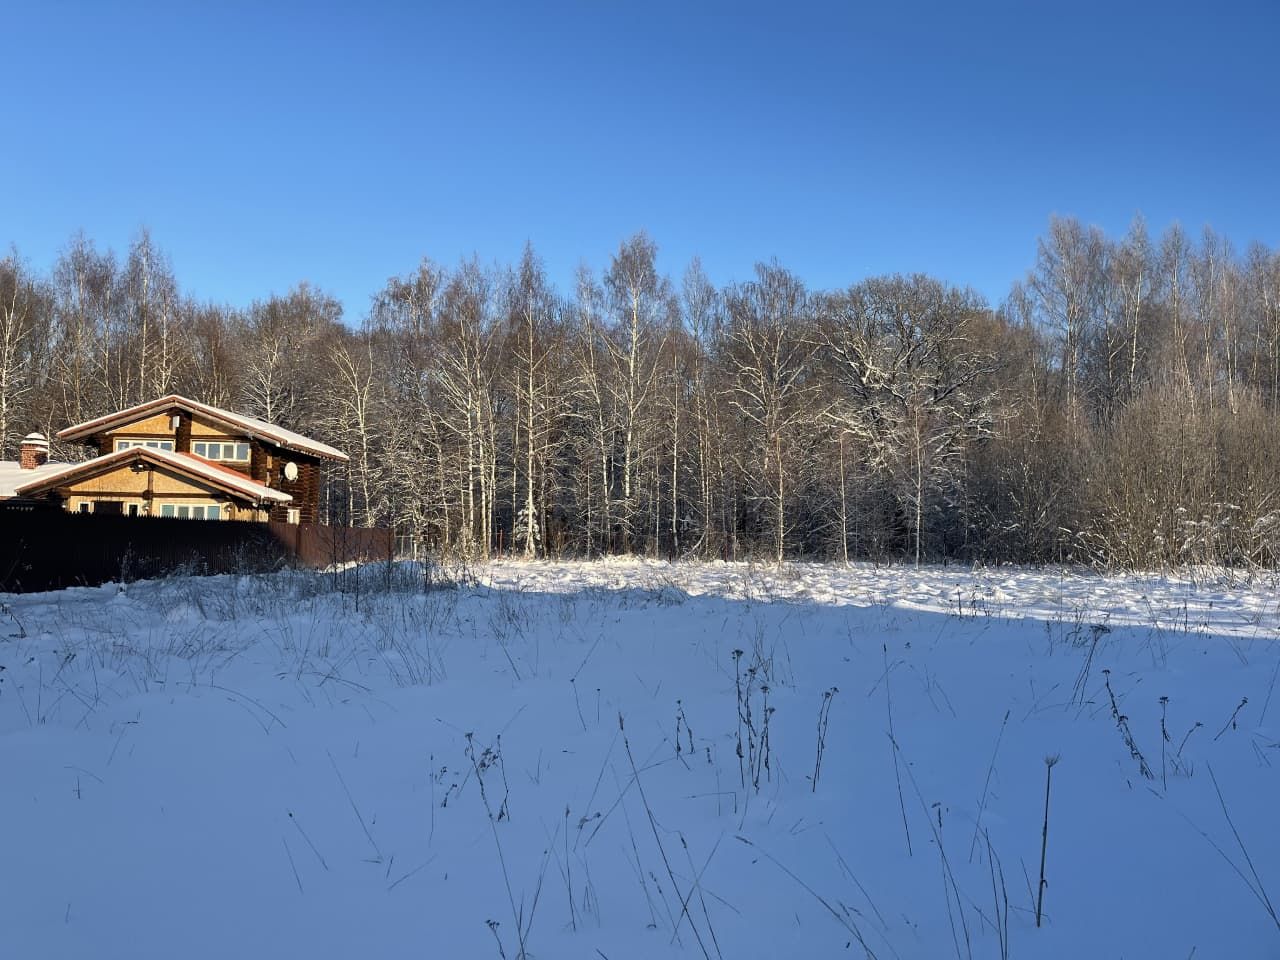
221 451
86 507
294 515
188 511
151 444
133 509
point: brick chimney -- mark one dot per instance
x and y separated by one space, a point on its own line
34 451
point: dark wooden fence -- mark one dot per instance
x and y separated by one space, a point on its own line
48 549
318 545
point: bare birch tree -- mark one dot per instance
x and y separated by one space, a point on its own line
23 335
640 298
768 355
1066 284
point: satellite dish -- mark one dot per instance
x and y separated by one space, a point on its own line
291 471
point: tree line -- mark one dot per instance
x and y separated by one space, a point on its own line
1119 407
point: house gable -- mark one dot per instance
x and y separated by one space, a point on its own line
148 492
211 417
143 480
180 432
159 425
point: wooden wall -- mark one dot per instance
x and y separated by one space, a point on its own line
265 466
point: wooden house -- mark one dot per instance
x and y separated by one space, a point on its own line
181 458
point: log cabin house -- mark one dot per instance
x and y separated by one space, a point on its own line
175 457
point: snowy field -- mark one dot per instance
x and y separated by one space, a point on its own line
635 760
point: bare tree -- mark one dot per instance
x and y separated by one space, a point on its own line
403 326
1175 257
283 354
1133 276
355 420
912 382
150 306
466 377
531 311
24 330
1262 273
701 308
216 362
1066 284
641 302
768 356
84 287
594 411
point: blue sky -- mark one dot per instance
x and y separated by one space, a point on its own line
265 144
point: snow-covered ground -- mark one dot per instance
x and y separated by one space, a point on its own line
546 760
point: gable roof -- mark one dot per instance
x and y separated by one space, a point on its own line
254 428
226 480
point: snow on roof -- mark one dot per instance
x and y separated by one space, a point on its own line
279 436
197 466
13 476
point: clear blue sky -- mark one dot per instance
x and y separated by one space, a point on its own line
268 143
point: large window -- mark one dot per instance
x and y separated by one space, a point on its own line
187 511
152 444
236 452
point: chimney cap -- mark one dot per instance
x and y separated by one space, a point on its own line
35 440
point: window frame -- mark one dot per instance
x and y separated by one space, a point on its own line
188 511
126 443
201 449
